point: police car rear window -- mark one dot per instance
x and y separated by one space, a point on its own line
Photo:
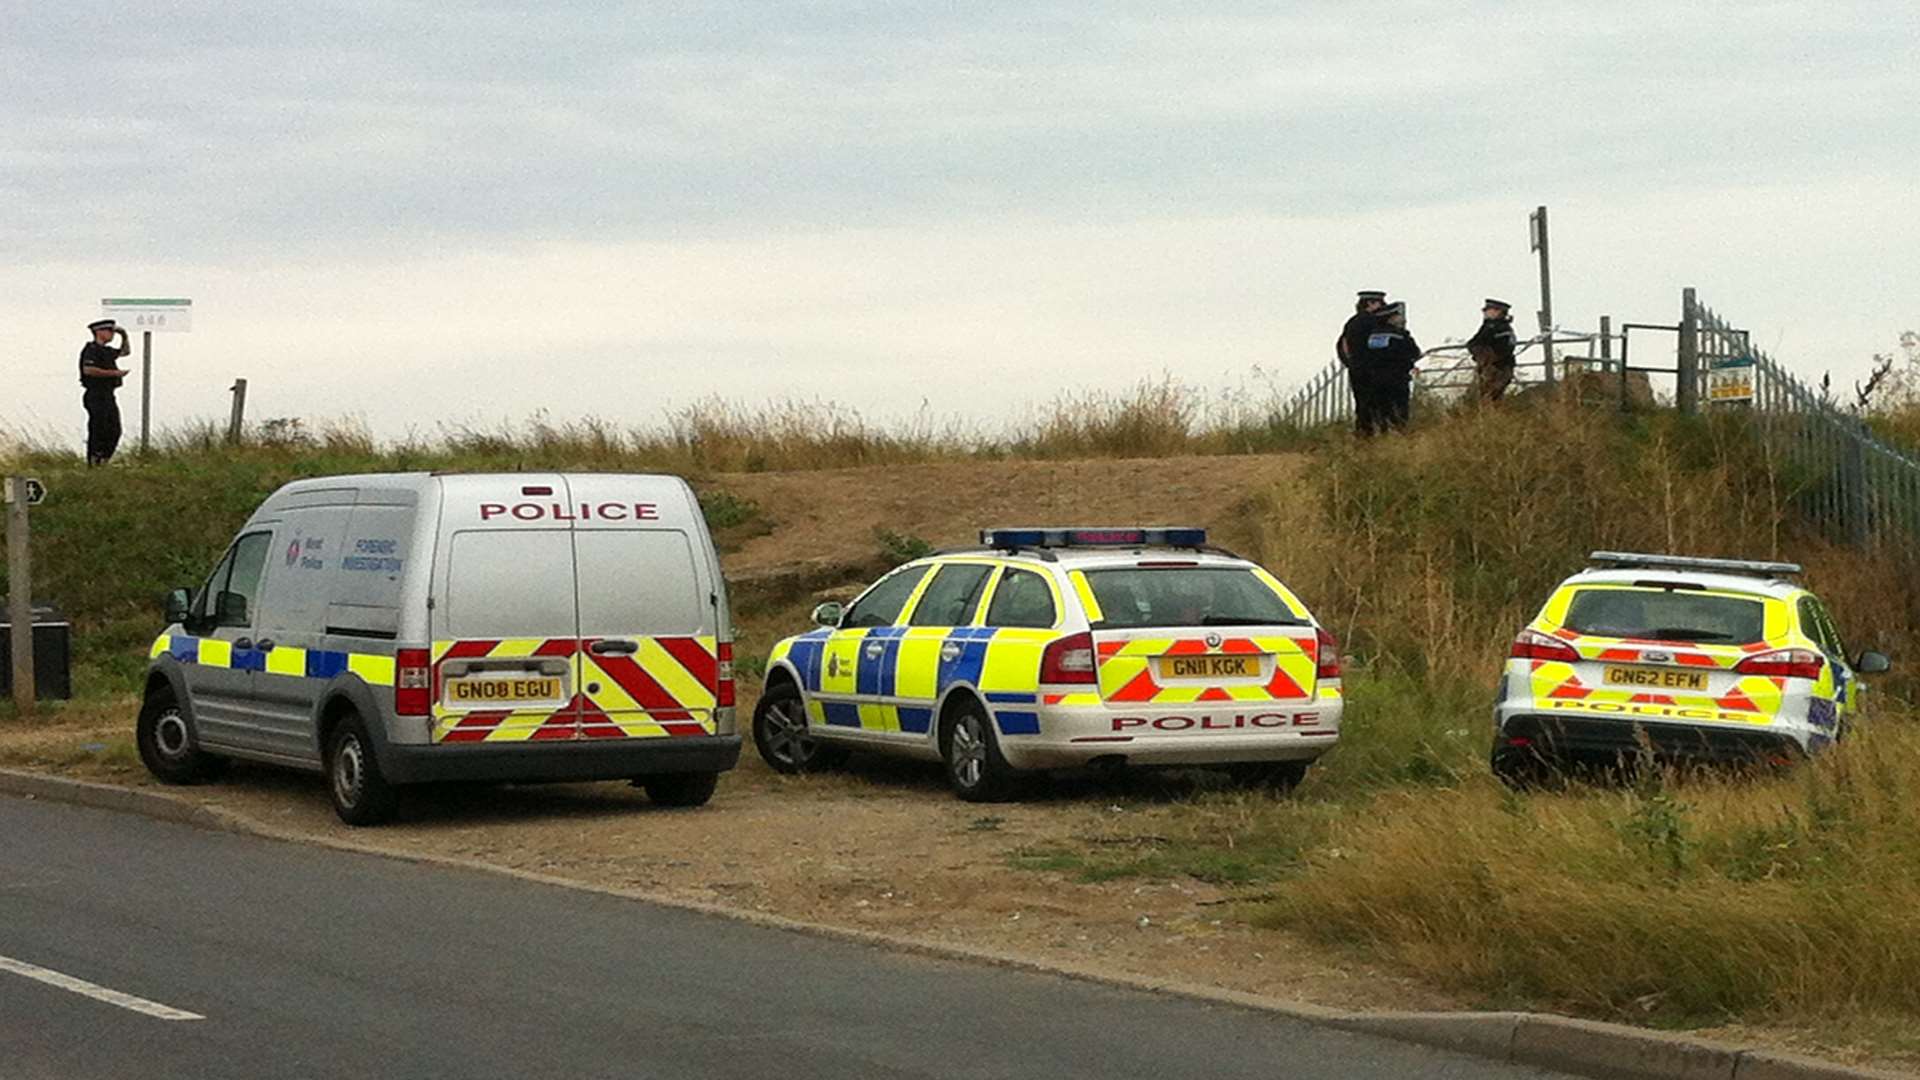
1186 596
1667 615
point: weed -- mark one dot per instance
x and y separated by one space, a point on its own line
900 548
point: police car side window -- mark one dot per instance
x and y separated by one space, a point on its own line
1022 600
950 600
883 602
1819 626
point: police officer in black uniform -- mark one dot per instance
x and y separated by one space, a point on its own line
1383 373
1492 351
1352 339
100 376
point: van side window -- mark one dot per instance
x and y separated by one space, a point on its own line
883 602
234 586
950 599
1022 600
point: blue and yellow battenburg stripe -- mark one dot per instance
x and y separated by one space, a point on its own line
291 661
916 666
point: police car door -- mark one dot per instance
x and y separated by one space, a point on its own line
850 678
932 640
223 651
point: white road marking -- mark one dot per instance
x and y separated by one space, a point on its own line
95 991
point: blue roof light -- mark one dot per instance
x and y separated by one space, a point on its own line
1083 536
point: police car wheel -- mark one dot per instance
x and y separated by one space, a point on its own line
1276 776
360 792
680 789
780 734
976 771
1523 770
168 747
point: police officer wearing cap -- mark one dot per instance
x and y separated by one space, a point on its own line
1492 351
1383 373
1353 335
101 375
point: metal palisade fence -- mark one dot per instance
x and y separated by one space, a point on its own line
1853 487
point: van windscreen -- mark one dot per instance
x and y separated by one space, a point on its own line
511 583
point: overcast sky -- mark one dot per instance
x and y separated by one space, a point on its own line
461 212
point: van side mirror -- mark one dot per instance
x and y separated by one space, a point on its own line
829 613
1872 663
230 609
179 606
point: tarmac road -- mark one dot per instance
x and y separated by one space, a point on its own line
133 947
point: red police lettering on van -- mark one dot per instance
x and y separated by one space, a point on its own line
602 511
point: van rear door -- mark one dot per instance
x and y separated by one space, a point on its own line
505 624
648 609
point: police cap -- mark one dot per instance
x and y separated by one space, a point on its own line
1501 304
1372 294
102 324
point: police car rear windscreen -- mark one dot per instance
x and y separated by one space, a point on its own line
1666 615
1132 597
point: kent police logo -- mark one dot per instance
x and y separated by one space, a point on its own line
293 552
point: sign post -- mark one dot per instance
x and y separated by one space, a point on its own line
1537 241
148 316
22 492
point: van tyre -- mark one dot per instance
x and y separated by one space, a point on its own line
1279 777
976 770
680 789
780 734
168 745
360 791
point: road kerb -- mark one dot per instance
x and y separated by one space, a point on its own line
1582 1047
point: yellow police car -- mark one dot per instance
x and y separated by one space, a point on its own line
1688 659
1055 647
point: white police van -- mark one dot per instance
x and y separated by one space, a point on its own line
397 629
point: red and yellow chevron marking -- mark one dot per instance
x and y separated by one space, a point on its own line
1755 699
666 689
1127 675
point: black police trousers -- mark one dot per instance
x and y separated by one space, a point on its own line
103 425
1381 403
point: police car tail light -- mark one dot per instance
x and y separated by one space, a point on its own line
1328 653
1068 660
1534 645
1783 664
412 682
723 688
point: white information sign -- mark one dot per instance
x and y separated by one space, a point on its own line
153 316
1730 381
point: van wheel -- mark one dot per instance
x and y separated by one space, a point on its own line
168 746
976 770
780 733
360 792
1279 777
680 789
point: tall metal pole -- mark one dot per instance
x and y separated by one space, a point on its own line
146 385
20 593
1538 236
1686 394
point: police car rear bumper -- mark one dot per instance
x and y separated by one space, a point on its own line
1193 735
547 762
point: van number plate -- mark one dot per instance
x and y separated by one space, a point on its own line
1656 678
1210 667
501 691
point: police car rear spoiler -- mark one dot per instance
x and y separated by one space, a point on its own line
1624 560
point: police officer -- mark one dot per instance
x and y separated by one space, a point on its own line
1383 372
1352 339
1492 351
100 376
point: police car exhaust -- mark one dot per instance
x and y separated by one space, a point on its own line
1046 648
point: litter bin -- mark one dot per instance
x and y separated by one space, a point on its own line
52 655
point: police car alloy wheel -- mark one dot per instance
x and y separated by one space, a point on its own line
780 733
975 768
167 745
361 794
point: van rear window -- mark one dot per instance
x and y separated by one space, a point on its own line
637 582
1667 615
511 583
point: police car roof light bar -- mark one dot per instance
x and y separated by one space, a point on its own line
1123 536
1626 559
